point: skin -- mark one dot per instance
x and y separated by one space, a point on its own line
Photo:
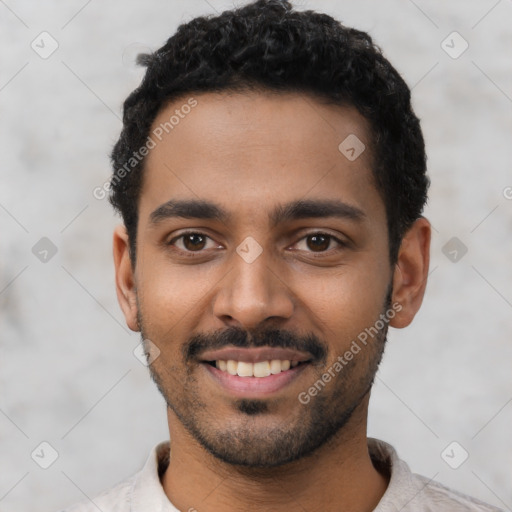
248 153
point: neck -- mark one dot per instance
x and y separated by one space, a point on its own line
339 474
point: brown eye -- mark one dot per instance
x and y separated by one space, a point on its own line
190 242
193 241
319 242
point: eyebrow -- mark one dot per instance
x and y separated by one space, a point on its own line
300 209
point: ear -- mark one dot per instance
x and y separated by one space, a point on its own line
125 279
411 272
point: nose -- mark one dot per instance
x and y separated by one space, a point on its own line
252 293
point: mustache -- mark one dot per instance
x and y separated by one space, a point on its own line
241 338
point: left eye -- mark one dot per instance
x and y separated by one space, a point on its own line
320 242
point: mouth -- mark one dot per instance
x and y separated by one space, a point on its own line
254 372
258 370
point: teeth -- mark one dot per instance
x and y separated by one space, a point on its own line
261 369
245 369
232 367
275 366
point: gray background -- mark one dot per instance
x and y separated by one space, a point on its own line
68 375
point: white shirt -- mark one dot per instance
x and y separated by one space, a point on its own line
406 492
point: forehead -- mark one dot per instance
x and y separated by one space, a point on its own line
253 148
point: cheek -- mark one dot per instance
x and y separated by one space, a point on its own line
168 290
173 301
346 302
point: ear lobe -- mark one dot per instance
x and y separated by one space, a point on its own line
125 279
411 272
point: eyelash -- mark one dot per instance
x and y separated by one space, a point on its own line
196 253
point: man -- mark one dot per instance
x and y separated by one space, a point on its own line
271 176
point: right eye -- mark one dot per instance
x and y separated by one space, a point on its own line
190 241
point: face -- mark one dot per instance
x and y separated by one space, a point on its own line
261 249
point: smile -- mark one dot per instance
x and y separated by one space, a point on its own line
245 372
260 369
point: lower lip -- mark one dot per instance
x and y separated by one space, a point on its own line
255 386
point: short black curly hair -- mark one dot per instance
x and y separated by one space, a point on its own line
267 45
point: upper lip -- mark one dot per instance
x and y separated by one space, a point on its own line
255 355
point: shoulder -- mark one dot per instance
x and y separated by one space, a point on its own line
410 492
439 497
115 499
144 486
